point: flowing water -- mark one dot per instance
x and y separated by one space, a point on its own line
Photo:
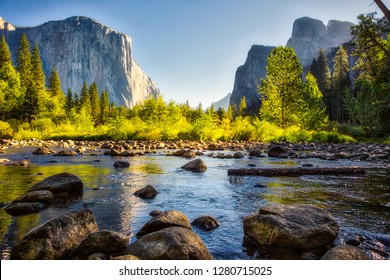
361 204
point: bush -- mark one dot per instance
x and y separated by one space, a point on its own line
6 130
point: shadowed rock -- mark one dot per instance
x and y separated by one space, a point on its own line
57 238
23 208
43 151
276 151
60 183
345 252
146 193
206 223
104 241
42 196
121 164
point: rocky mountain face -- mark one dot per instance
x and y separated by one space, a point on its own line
248 77
308 37
83 50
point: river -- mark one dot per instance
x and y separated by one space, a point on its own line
360 204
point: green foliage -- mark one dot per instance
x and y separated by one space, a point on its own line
5 54
340 83
23 59
282 89
10 91
320 70
104 104
95 104
85 99
6 130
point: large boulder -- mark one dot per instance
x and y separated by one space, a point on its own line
196 165
23 208
60 183
57 238
147 192
173 243
170 218
206 223
104 241
121 164
294 227
345 252
43 151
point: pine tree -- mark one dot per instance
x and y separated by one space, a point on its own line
282 89
24 66
54 86
341 83
10 92
85 99
243 107
95 106
30 103
38 75
69 101
104 107
314 116
5 54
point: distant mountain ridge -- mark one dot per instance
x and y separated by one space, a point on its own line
84 50
308 37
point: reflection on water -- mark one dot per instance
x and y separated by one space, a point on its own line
358 203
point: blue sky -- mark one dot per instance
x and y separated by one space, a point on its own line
191 49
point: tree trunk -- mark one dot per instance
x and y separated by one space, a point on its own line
297 171
384 9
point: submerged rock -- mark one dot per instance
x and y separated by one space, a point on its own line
60 184
206 223
121 164
43 151
156 213
173 243
57 238
196 165
345 252
170 218
277 151
43 196
23 208
147 193
293 227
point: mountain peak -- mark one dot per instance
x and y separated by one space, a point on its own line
5 25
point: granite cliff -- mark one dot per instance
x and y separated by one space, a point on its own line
84 50
308 37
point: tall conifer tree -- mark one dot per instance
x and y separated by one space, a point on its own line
23 58
85 99
95 106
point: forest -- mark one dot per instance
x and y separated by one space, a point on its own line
329 102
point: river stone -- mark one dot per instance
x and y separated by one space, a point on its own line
189 154
254 153
156 213
23 208
104 241
179 153
43 196
66 153
60 183
238 155
126 258
42 151
173 243
57 238
276 151
294 227
121 164
146 193
170 218
196 165
206 223
345 252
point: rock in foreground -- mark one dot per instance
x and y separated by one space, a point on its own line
57 238
293 227
345 252
146 193
173 243
170 218
23 208
196 165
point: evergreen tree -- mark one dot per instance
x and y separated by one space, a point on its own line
54 86
282 89
104 107
85 99
95 106
38 75
10 92
243 107
341 83
5 54
30 103
314 116
69 101
24 67
230 113
199 110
